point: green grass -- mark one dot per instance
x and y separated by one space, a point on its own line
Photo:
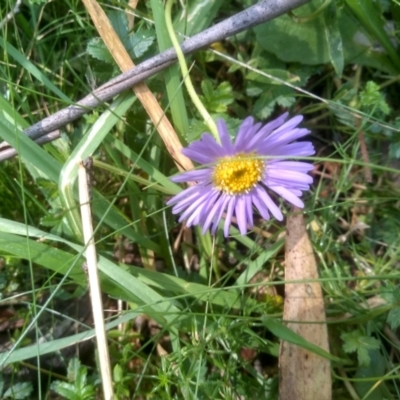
192 316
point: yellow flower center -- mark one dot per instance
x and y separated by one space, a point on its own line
238 174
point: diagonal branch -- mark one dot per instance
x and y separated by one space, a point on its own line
11 14
255 15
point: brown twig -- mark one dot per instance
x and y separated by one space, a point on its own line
141 90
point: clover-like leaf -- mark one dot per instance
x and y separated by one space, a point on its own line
356 341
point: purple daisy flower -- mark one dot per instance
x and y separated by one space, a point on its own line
240 175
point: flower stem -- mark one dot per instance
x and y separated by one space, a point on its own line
186 77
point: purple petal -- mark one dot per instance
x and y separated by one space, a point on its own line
193 175
268 128
185 194
300 149
288 136
217 209
224 201
263 196
226 143
296 192
229 214
291 186
186 201
194 207
287 195
264 132
249 211
288 175
214 200
201 209
206 144
270 144
243 133
261 207
242 145
241 216
291 165
199 156
203 155
287 126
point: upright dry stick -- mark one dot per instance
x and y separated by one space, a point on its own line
94 286
303 374
141 90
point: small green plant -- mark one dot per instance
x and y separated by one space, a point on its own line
18 391
77 387
356 341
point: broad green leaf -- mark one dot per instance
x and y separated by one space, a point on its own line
355 341
369 14
216 296
334 38
173 76
284 333
139 43
80 378
42 254
272 95
372 99
136 44
64 263
97 49
10 113
18 391
30 152
65 389
292 41
155 279
86 147
393 317
306 43
119 22
197 16
118 373
43 348
371 386
216 100
73 369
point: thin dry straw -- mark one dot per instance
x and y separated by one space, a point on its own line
255 15
94 286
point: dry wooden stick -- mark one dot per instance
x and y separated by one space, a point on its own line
141 90
94 286
303 374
